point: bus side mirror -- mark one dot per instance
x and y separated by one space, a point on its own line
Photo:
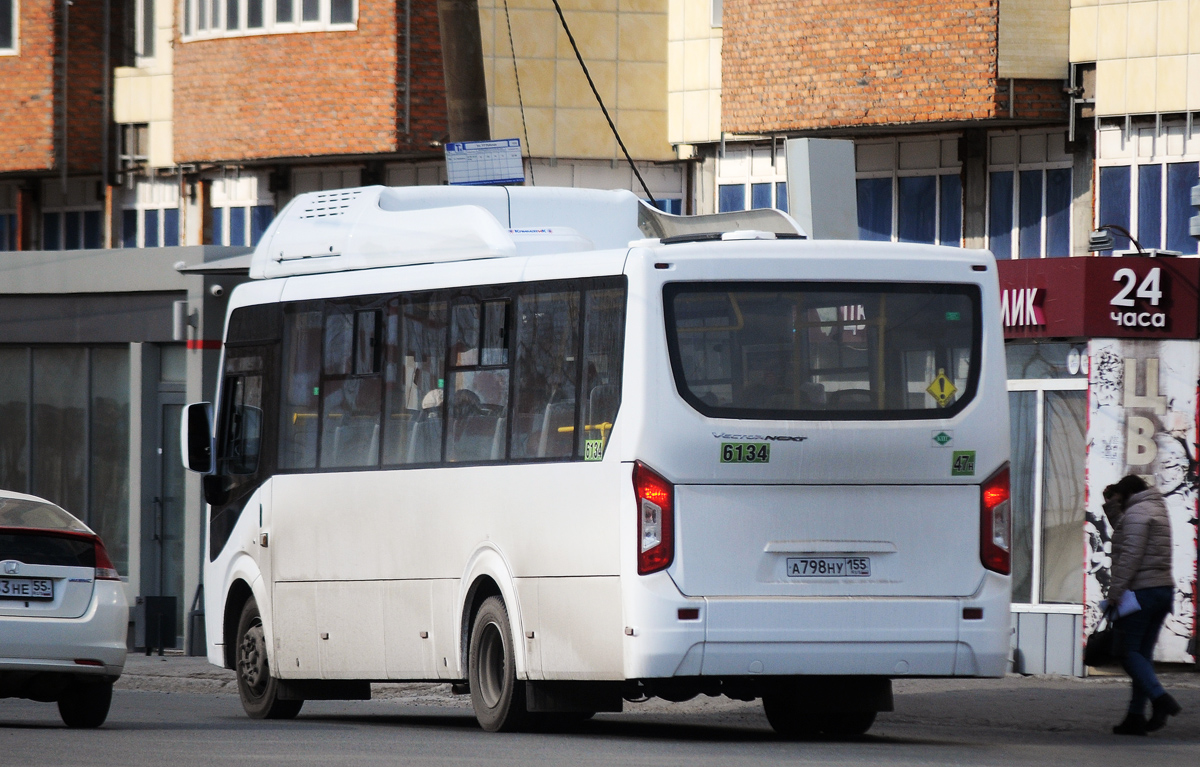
196 437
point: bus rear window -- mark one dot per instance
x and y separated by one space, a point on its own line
824 351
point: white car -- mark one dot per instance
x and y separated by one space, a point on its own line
63 612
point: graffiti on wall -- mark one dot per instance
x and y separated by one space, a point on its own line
1142 420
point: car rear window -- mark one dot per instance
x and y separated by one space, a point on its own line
824 350
45 548
25 512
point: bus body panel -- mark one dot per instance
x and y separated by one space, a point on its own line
734 541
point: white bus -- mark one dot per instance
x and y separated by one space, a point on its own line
563 451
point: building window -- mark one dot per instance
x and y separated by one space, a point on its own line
1048 432
65 411
144 30
1029 195
747 179
151 215
72 221
910 190
715 9
239 214
9 22
8 217
1145 182
230 18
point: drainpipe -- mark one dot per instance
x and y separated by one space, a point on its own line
462 66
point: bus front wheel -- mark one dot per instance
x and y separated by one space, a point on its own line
496 695
258 690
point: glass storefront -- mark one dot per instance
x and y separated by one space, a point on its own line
1048 427
65 434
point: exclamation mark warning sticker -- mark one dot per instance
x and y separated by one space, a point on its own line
942 389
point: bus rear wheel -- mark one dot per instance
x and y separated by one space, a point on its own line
792 721
258 690
496 695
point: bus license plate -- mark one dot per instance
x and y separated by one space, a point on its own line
828 567
26 588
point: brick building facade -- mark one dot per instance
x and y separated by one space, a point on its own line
328 94
33 94
828 64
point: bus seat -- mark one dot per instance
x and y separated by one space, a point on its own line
603 401
498 438
850 399
552 443
425 439
356 444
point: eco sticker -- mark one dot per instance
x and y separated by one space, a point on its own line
963 463
593 449
942 438
745 452
942 388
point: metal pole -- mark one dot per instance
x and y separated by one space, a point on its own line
66 6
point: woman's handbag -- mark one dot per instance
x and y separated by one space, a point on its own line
1101 647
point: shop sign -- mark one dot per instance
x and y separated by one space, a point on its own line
1142 420
1127 297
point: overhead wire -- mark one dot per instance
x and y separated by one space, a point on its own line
520 101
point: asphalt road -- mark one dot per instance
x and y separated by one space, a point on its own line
979 722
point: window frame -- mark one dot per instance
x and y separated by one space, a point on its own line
1135 146
79 200
151 195
739 170
482 294
970 290
15 16
190 12
894 170
1018 165
1039 386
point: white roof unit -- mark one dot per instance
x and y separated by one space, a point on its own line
376 226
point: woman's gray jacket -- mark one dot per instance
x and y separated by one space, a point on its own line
1141 546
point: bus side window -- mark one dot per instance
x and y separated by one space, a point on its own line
301 388
477 392
351 389
243 428
603 351
547 373
416 377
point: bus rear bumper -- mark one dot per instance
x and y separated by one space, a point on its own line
897 637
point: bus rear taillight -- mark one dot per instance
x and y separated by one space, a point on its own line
995 523
656 520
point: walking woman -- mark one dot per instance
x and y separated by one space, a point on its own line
1141 563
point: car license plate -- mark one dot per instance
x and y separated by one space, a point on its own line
26 588
828 567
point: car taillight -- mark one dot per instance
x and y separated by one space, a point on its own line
105 571
656 520
995 523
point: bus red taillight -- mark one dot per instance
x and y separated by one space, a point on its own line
656 520
995 523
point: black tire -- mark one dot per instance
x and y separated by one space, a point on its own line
786 718
496 695
258 690
85 704
789 719
852 724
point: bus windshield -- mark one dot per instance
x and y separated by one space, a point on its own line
822 350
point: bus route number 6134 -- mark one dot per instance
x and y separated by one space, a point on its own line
745 452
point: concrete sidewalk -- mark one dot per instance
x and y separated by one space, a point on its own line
1045 703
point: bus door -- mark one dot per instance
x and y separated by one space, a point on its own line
244 458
